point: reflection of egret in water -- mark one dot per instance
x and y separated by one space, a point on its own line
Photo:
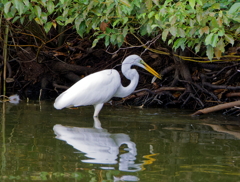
100 146
13 99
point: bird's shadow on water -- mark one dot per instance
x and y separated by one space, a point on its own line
100 146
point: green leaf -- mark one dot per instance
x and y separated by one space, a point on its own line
119 11
199 18
237 31
170 41
82 28
125 20
151 14
156 2
180 42
210 52
190 43
116 22
44 17
50 7
19 6
153 26
48 26
60 21
226 20
192 3
27 3
192 22
113 38
90 5
7 6
107 40
165 34
22 19
78 21
229 38
31 16
125 31
215 6
95 22
197 48
215 30
38 11
149 28
234 8
173 31
132 30
101 36
199 2
181 32
214 40
95 42
172 19
157 17
137 3
221 45
221 32
120 40
143 30
15 19
192 32
211 39
108 30
69 20
166 2
208 40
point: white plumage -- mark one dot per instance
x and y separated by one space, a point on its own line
98 88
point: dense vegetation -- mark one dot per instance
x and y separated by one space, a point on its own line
46 44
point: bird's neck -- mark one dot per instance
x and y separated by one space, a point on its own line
133 76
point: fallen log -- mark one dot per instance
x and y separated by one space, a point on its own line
217 108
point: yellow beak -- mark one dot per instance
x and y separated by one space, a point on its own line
152 71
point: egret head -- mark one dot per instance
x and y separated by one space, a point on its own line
136 60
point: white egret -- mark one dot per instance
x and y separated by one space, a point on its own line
98 88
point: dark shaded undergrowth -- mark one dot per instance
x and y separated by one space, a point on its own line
44 71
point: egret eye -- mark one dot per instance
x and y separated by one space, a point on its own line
142 62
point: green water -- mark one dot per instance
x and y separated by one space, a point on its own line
39 143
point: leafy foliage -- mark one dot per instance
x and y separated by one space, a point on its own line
208 25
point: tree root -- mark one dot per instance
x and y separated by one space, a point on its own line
235 111
217 108
190 96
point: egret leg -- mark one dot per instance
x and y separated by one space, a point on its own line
97 108
97 123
